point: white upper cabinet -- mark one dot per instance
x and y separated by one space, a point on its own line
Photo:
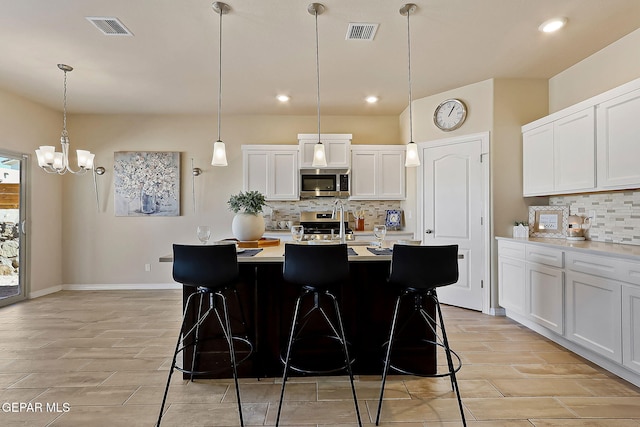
559 157
378 172
619 142
591 146
272 170
336 146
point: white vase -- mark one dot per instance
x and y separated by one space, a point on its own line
246 227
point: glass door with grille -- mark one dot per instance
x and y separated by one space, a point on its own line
12 217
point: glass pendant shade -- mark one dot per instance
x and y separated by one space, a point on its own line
412 159
219 154
319 156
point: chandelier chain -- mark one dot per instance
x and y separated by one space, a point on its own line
64 106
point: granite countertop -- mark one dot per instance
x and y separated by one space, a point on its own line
586 246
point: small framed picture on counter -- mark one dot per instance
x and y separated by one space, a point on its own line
549 221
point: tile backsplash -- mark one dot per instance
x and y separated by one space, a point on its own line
374 210
617 214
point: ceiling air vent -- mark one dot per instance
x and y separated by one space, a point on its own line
361 31
109 26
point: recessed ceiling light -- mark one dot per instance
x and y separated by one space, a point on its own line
371 99
552 25
283 98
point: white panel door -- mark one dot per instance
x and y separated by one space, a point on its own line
511 284
631 327
392 177
537 160
284 175
363 175
593 312
619 142
255 171
545 296
574 139
452 210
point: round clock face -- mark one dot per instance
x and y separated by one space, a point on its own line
450 114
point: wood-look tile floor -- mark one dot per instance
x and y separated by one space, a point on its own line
101 359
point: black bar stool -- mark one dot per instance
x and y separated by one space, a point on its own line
315 268
417 271
211 270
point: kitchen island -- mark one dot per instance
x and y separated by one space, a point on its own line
367 305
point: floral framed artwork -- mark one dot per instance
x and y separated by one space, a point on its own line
146 183
549 221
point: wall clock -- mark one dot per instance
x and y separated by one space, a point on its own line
450 114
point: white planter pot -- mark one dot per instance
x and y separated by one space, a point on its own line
246 227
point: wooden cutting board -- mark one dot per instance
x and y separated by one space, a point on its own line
263 242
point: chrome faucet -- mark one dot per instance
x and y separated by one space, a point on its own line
339 204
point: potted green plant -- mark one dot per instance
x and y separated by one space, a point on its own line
248 223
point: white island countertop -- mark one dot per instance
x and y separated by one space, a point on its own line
586 246
276 254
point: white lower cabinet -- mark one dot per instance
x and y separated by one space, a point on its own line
584 299
593 314
631 327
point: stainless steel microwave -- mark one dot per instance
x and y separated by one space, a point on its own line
324 183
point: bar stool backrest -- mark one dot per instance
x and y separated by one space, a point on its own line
315 265
424 267
209 266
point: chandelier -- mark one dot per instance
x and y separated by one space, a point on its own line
52 161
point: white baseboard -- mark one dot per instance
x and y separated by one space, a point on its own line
43 292
497 311
122 287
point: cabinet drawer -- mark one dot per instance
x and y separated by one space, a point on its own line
511 249
546 256
626 271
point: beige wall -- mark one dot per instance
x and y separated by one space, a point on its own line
500 107
100 248
25 126
612 66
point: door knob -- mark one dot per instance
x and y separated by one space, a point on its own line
428 231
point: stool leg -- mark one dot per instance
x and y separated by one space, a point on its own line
175 355
343 339
447 350
196 339
387 359
294 322
226 329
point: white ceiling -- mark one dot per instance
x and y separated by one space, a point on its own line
171 63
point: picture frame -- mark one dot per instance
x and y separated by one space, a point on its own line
548 221
147 183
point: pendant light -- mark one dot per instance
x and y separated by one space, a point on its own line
58 162
219 151
319 156
412 158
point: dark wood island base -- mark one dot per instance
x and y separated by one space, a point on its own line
367 306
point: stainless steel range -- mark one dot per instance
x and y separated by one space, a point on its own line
321 225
